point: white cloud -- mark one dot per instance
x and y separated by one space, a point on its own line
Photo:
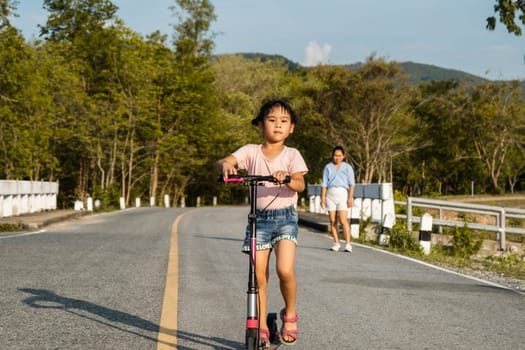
315 54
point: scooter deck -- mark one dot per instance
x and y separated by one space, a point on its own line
272 346
276 343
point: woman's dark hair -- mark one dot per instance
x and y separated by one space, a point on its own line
340 148
267 107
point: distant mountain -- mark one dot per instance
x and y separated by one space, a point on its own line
292 66
417 72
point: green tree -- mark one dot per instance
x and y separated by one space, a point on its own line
366 112
496 123
446 155
58 102
514 166
507 11
16 130
381 119
242 85
191 126
95 45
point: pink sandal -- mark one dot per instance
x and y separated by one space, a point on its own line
289 333
264 338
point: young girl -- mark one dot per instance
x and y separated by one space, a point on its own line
277 219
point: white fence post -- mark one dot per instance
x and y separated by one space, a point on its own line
355 213
89 204
386 228
425 232
501 231
314 194
311 203
78 205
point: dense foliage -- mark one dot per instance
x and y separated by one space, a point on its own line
110 113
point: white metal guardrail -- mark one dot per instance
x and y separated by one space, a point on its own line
375 201
500 218
23 197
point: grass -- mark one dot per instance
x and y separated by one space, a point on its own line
507 265
465 253
460 253
10 228
510 265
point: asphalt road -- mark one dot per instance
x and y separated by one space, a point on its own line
99 283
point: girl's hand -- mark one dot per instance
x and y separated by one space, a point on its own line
227 166
280 176
228 169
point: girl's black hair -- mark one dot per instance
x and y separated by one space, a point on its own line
267 107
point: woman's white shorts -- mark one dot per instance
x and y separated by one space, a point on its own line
336 199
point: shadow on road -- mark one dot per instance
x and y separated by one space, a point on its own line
46 299
220 238
216 343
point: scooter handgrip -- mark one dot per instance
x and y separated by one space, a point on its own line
229 179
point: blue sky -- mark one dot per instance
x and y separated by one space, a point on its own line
445 33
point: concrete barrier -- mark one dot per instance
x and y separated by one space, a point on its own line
25 197
371 201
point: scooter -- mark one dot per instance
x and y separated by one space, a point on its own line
252 316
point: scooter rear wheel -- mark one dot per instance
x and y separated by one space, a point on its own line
271 320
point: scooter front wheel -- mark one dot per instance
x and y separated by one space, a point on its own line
252 339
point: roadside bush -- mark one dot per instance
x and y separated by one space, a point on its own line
362 229
463 243
398 196
109 198
10 228
402 240
516 222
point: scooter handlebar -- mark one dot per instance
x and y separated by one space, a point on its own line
251 178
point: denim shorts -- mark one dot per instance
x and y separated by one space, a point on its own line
273 225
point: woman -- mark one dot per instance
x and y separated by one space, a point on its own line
337 194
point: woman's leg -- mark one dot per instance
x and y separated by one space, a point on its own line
285 260
262 273
343 220
333 225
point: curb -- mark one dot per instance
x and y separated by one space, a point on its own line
33 225
39 220
317 222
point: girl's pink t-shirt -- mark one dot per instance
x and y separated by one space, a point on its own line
251 158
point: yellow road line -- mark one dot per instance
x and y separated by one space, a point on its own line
167 336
